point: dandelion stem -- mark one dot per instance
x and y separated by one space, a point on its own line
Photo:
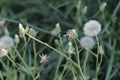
85 62
97 57
78 59
11 60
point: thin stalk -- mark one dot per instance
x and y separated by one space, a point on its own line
60 59
85 62
57 52
22 60
52 48
78 60
11 60
57 69
63 71
25 47
35 54
97 57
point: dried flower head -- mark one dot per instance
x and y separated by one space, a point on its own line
71 34
6 42
87 42
44 58
3 52
70 49
32 32
56 30
92 28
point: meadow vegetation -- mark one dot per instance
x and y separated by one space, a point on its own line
59 40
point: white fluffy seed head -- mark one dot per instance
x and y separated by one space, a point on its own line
92 28
87 42
6 42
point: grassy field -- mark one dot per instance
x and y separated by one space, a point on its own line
47 40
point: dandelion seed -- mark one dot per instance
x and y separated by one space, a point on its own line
3 52
6 42
92 28
87 42
44 58
71 34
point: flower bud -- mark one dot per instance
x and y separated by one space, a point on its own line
6 31
21 30
84 10
56 41
70 49
101 51
78 5
56 30
102 6
17 40
58 27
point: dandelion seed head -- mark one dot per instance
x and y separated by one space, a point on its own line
6 42
92 28
87 42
